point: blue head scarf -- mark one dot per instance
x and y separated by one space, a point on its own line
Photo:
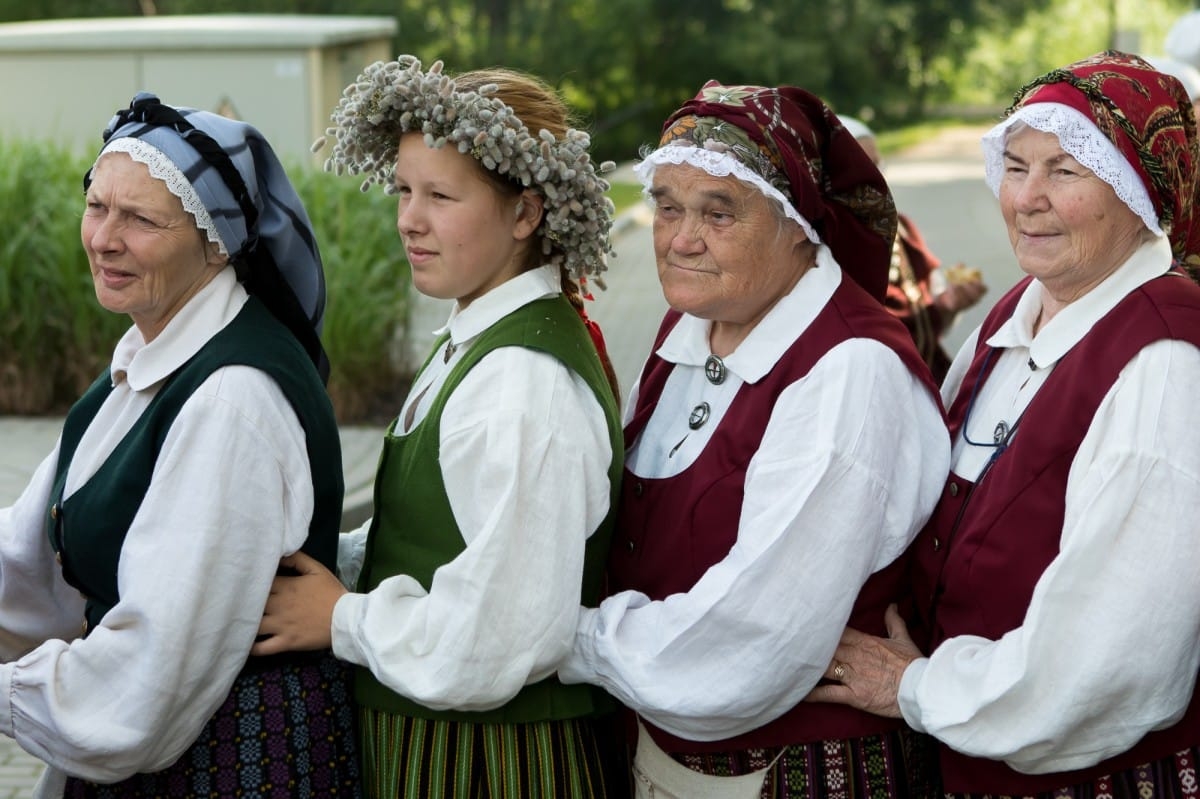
249 206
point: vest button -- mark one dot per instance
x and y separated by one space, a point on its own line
638 488
54 511
631 545
954 489
58 557
937 544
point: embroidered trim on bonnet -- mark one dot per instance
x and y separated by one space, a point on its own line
718 164
395 97
164 169
1079 138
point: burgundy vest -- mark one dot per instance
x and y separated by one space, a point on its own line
670 531
977 561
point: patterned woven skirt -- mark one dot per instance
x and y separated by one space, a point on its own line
1171 777
286 731
425 759
893 765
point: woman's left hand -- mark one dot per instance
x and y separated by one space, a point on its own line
960 296
868 669
299 611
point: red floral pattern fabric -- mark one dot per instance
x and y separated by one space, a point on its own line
1149 118
797 144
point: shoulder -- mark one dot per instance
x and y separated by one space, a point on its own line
245 395
523 381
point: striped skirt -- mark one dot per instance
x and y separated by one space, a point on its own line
425 759
894 765
1171 777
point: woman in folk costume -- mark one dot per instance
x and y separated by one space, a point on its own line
146 524
785 446
1056 584
920 293
496 488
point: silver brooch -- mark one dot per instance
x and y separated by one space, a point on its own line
714 370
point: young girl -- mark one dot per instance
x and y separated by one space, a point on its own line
497 481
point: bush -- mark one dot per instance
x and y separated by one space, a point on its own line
57 338
368 282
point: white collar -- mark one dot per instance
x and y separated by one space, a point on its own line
1074 321
142 365
687 344
485 311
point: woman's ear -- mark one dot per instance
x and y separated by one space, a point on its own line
214 254
528 212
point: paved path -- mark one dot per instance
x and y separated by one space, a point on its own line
939 184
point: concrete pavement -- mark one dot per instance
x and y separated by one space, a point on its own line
940 184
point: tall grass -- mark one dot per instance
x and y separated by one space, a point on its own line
55 338
368 282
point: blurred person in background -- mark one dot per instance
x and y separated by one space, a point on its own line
1183 39
923 296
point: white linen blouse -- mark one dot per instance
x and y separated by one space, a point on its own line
525 455
230 495
854 457
1110 645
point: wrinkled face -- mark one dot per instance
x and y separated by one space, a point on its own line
1067 227
722 252
462 237
147 256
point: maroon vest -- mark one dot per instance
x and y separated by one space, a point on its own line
977 561
670 531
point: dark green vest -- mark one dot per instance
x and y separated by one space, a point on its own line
88 528
414 532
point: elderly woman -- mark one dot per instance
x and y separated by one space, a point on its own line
135 565
1056 584
769 491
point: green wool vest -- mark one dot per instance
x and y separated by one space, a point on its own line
87 530
414 532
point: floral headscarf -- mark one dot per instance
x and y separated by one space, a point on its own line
792 147
1147 115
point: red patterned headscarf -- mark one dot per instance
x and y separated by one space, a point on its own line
791 146
1147 115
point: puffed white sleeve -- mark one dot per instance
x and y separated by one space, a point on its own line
231 493
525 466
35 602
852 461
1110 645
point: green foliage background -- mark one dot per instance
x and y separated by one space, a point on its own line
625 64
